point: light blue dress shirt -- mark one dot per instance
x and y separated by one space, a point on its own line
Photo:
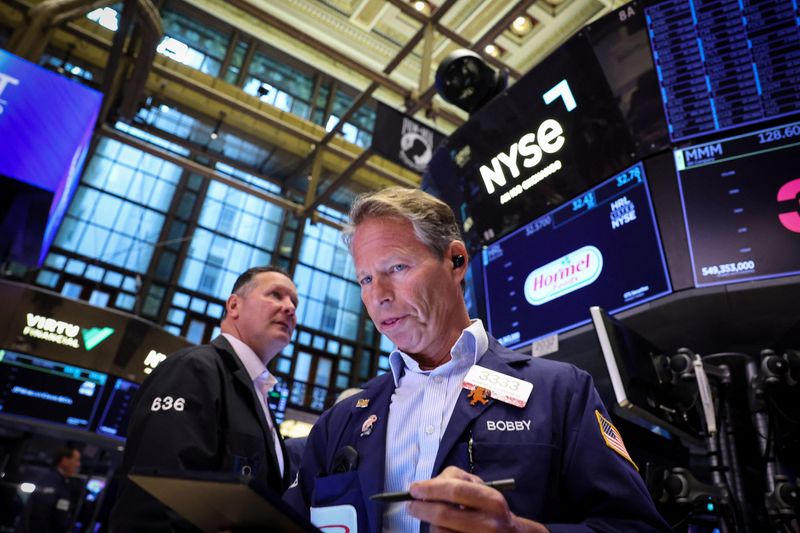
420 410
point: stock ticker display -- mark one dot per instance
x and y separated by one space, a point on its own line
116 413
49 391
724 64
601 248
741 200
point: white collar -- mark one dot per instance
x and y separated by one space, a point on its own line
252 363
472 344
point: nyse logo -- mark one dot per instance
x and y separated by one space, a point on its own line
5 81
531 146
790 192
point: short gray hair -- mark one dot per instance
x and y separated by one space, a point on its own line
433 221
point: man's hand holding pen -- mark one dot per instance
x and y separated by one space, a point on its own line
456 500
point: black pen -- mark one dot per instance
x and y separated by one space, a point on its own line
389 497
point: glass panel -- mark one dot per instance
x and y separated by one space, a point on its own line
71 290
113 278
283 366
180 299
99 298
302 366
230 239
198 305
176 316
196 331
94 273
215 310
47 278
56 261
101 224
125 301
75 266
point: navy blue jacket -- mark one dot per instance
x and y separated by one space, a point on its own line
567 477
51 508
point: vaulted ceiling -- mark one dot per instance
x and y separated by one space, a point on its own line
358 41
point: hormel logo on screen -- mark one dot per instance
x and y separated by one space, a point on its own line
531 147
566 274
63 333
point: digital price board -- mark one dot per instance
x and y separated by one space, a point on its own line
117 411
46 390
741 204
724 64
600 248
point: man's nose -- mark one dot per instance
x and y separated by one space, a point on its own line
382 290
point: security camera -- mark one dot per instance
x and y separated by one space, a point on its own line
466 81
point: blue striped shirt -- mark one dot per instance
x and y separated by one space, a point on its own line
420 410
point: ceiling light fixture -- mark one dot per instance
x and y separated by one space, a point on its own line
493 50
522 25
422 6
215 132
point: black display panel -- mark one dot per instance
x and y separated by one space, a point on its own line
741 203
562 128
277 399
724 64
117 411
46 390
601 248
642 381
621 44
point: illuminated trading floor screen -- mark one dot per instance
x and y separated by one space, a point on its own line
741 200
47 390
602 248
117 411
725 63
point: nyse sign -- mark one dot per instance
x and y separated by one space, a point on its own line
548 138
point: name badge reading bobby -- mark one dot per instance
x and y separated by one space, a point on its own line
501 387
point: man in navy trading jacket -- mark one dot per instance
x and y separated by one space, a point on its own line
51 507
457 408
204 408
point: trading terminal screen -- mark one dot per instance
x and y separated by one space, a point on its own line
741 204
117 411
724 64
47 390
277 399
601 248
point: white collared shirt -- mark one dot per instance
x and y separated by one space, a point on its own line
420 409
263 382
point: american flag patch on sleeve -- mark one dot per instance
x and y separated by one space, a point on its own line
613 438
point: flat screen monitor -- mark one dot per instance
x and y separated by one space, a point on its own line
94 486
117 411
741 205
632 363
49 391
46 125
587 111
723 65
600 248
277 399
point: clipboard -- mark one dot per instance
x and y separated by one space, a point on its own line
216 502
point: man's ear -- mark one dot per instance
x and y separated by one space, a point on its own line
457 252
232 306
